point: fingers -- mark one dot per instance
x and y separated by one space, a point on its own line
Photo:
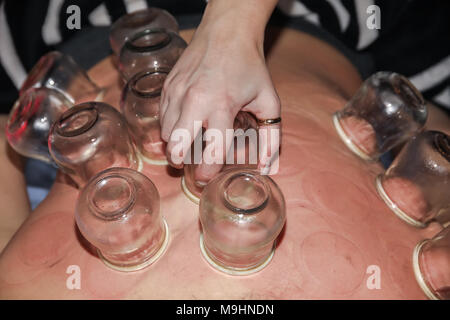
181 123
218 141
183 120
163 104
168 121
185 129
170 107
267 106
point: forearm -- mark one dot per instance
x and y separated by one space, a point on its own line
246 18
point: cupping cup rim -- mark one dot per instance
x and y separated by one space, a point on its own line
348 142
147 262
236 271
393 207
418 273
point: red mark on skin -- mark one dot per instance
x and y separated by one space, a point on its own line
37 247
407 196
279 271
400 270
47 240
304 155
333 261
337 194
361 133
305 221
105 283
307 130
302 140
175 266
13 271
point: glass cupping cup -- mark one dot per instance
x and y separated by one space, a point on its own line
416 186
385 112
150 49
140 107
59 71
89 138
31 119
118 212
127 25
241 213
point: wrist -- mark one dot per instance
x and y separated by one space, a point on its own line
237 19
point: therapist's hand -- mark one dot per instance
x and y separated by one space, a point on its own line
221 72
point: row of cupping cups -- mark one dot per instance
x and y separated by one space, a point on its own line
241 212
143 40
45 124
388 112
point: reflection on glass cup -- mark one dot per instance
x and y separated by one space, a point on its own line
89 138
385 112
59 71
242 154
131 23
150 49
118 212
140 107
431 261
30 121
416 187
242 213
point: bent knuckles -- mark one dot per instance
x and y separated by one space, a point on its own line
194 95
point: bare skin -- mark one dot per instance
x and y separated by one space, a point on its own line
336 228
15 207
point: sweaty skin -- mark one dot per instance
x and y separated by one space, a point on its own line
338 230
